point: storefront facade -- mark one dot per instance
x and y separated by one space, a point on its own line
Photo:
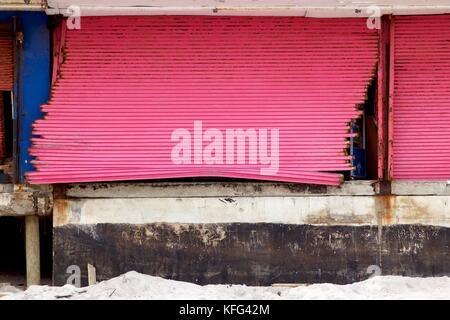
337 161
24 85
123 90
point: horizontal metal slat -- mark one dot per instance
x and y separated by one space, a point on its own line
127 82
422 98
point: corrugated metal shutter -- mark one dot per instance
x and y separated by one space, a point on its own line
2 129
128 82
6 58
421 113
6 75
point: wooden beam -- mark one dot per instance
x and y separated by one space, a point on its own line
92 277
32 250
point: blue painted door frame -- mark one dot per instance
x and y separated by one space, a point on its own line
35 75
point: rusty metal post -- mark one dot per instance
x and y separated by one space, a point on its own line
383 99
391 98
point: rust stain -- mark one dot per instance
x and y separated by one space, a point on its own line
326 219
412 210
60 212
415 211
19 188
390 205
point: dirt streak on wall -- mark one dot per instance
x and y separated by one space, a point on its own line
223 235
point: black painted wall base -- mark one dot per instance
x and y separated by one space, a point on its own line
252 254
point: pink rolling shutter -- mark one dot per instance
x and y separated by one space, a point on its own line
127 83
6 76
6 58
422 98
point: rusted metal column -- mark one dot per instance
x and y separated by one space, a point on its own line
391 98
383 99
32 250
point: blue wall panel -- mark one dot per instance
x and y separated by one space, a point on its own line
36 77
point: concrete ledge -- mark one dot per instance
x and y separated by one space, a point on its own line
22 200
437 188
214 189
314 210
249 189
305 8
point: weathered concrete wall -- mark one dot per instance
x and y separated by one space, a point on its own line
22 200
253 233
254 254
355 203
330 210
